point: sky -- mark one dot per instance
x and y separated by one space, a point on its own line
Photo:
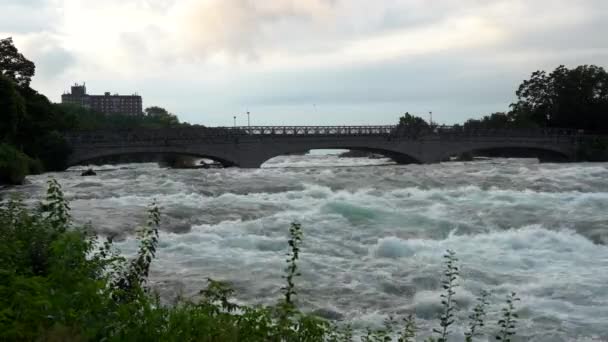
306 62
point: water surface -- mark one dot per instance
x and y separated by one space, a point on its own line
374 234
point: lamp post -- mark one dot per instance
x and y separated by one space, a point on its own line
248 123
234 117
431 119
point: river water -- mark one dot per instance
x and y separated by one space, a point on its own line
374 234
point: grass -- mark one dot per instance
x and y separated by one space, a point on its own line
60 282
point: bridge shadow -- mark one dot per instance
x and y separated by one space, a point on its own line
543 155
167 159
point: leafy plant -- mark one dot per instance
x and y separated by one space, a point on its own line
56 207
508 321
294 242
409 330
477 317
450 275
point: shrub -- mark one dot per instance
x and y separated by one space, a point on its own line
15 165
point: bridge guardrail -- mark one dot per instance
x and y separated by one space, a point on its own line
390 131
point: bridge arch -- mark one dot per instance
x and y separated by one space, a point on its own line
147 156
398 157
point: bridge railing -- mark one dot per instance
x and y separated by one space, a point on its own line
389 131
311 130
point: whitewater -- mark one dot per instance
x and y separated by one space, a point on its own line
374 234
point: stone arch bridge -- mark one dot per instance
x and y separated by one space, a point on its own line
250 147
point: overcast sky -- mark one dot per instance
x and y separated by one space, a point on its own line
306 61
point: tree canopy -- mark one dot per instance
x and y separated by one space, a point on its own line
162 116
412 122
565 98
14 65
13 110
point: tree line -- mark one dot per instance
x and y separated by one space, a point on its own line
31 126
565 98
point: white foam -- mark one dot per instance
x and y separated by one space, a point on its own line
375 235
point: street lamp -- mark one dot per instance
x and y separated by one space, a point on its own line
248 120
234 117
431 119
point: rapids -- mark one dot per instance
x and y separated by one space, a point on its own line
374 234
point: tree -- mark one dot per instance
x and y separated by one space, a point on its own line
14 65
156 111
12 111
565 98
412 122
161 116
497 120
51 149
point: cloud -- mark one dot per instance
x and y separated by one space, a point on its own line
46 51
240 28
28 16
356 57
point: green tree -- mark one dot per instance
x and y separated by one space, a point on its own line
12 111
161 116
52 149
565 98
412 122
156 111
14 65
497 121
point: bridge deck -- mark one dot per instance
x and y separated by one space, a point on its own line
199 132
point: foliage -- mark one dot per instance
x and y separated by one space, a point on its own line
162 116
30 122
447 299
509 319
15 165
33 125
51 149
13 110
14 65
409 329
477 317
87 119
292 259
412 122
498 121
565 98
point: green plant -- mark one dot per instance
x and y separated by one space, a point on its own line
409 330
287 307
14 165
295 232
450 275
477 317
508 321
56 207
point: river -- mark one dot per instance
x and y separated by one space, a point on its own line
374 234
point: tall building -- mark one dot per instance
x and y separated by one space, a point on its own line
108 104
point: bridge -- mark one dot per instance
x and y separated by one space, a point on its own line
250 147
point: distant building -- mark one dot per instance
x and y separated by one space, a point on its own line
108 104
